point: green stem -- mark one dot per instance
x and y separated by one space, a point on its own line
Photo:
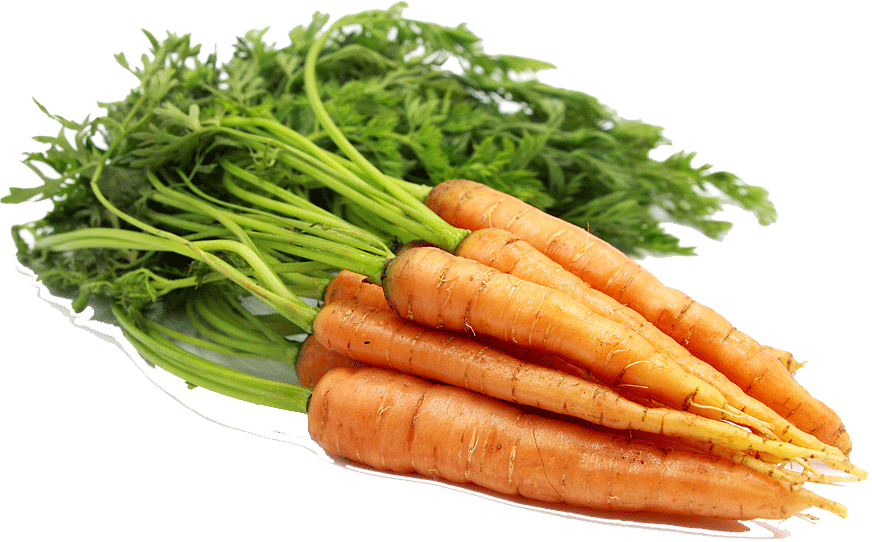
291 204
210 375
328 253
226 314
287 303
330 173
237 321
440 233
228 334
354 250
110 238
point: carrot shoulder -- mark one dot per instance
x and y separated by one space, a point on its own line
314 361
707 334
404 424
351 285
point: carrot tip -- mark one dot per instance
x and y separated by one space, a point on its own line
806 499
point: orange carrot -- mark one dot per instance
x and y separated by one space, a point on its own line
314 360
350 285
708 335
428 285
381 338
400 423
508 253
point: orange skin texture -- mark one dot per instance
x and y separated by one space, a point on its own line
350 285
314 360
439 290
401 423
507 252
380 338
705 333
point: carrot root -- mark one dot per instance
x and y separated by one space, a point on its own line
709 336
380 338
459 298
508 253
401 423
314 361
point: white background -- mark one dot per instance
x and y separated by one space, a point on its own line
776 92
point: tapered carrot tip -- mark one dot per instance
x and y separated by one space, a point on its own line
802 499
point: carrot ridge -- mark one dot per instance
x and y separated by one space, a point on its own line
377 337
540 318
405 424
705 333
508 253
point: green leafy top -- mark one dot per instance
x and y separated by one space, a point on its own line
385 84
212 180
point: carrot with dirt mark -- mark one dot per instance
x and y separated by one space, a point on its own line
400 423
437 289
507 252
705 333
380 338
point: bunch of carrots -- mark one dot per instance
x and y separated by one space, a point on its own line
494 344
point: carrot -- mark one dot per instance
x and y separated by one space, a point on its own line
314 360
400 423
430 286
708 335
381 338
508 253
351 285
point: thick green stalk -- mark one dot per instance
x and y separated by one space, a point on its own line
228 316
110 238
346 248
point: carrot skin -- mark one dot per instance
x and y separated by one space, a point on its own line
350 285
708 335
506 252
380 338
314 360
405 424
461 296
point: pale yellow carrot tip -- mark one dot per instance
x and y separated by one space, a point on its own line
734 415
813 499
855 470
842 465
